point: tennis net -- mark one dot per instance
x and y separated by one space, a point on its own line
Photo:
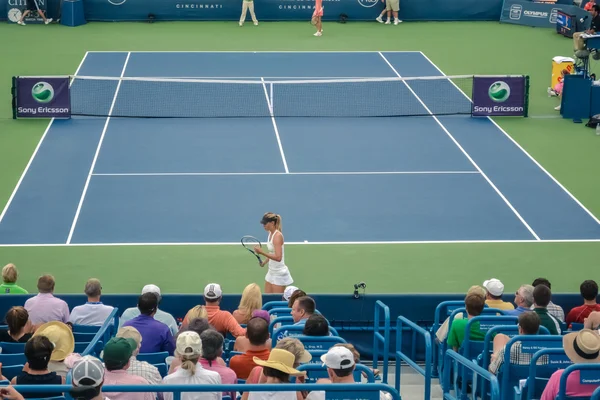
211 98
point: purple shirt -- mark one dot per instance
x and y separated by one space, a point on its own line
45 308
156 336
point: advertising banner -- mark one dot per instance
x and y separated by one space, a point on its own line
522 12
41 97
16 8
500 96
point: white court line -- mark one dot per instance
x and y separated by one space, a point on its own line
407 242
464 152
522 149
251 52
287 173
270 105
12 196
87 181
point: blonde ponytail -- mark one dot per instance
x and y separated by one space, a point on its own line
189 363
278 222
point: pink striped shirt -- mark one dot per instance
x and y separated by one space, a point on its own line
46 308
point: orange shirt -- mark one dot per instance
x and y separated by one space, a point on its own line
224 322
243 364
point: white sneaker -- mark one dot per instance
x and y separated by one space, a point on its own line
241 24
318 34
557 108
387 22
48 20
378 19
255 23
21 23
397 21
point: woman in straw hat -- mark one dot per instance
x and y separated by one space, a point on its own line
581 347
38 351
62 338
277 369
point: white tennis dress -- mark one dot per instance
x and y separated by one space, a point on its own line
278 273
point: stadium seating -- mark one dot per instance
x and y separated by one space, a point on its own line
153 358
12 348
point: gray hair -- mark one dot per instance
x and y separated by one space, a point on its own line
212 344
526 292
93 288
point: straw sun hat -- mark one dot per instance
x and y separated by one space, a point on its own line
582 346
281 360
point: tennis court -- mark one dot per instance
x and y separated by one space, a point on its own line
334 179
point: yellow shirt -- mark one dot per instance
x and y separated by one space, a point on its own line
499 304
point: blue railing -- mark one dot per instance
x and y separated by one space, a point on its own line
335 391
555 357
452 356
106 331
582 368
441 311
383 339
596 394
403 324
273 304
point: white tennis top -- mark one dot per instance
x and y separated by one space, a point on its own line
275 266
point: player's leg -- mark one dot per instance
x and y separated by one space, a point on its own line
277 289
319 29
244 11
268 287
23 16
43 15
252 14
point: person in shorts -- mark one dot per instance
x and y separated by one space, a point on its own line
32 6
391 6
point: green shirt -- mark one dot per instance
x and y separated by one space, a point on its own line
548 321
12 288
457 333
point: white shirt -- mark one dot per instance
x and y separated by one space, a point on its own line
201 377
272 396
275 266
94 314
160 316
320 395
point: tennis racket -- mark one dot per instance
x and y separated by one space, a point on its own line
249 242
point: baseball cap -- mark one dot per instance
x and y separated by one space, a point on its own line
338 358
494 287
88 371
151 289
213 291
288 292
118 351
189 344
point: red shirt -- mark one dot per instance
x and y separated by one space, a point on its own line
243 364
579 314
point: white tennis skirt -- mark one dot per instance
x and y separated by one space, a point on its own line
279 277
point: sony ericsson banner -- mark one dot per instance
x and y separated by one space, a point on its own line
500 96
16 8
41 97
523 12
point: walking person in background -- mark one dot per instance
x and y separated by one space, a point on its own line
248 5
317 16
32 6
391 6
278 277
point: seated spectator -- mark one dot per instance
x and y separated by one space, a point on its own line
9 279
191 372
581 347
554 310
117 356
589 292
194 313
88 378
356 355
45 307
62 338
288 292
136 367
19 327
529 324
296 294
156 336
258 335
212 350
242 344
474 305
198 325
494 291
160 315
291 344
302 309
251 301
442 332
523 300
221 320
37 351
316 325
541 299
592 322
93 312
277 369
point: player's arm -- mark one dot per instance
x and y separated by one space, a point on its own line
277 246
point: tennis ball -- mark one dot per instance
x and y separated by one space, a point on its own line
42 92
306 241
499 91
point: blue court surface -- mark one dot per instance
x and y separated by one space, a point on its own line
95 180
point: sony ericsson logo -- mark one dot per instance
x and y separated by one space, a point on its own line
42 92
515 11
368 3
499 91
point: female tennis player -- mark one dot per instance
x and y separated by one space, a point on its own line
316 17
278 276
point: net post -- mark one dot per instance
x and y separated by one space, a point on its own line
271 96
13 92
526 103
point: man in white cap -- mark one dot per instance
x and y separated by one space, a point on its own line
88 377
160 315
223 321
493 298
288 292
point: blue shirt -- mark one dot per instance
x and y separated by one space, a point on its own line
517 311
156 336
